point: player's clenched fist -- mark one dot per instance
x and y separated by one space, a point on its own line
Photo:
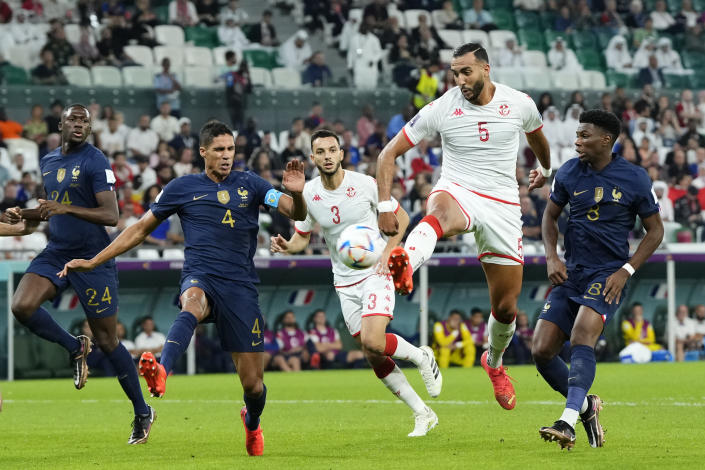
536 179
278 244
388 223
50 208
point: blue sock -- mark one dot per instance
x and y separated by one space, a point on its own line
582 374
177 339
555 372
44 326
127 376
254 405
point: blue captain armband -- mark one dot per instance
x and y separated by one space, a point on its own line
272 197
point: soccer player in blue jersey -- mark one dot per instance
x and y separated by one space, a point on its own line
605 193
219 212
80 201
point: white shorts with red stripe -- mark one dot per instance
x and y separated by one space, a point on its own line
495 222
372 296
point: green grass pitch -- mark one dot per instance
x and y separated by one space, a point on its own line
654 416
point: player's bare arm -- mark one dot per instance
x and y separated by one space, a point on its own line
128 239
399 145
402 218
17 230
105 214
296 244
294 206
651 241
557 272
539 145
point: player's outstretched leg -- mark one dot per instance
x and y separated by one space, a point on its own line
154 374
141 427
78 362
254 440
423 358
401 270
418 248
591 421
501 382
560 432
500 334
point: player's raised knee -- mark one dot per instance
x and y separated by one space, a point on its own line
106 342
252 386
505 311
374 345
22 308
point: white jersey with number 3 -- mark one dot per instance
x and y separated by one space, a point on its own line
480 143
353 202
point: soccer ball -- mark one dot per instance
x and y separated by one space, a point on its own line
360 246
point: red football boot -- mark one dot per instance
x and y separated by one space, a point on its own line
254 440
154 374
401 270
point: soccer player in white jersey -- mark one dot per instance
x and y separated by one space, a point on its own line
480 124
337 199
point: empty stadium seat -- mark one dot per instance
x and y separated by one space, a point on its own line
169 35
590 59
509 76
565 80
446 55
411 18
436 17
77 75
174 53
23 56
451 37
283 77
219 55
260 76
199 77
147 253
262 58
503 18
106 76
26 147
534 59
173 253
536 78
532 39
202 36
14 75
198 56
138 76
140 54
498 37
526 19
477 36
593 79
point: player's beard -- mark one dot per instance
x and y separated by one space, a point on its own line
322 170
476 90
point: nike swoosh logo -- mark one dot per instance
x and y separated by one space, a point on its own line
575 193
102 310
590 298
44 174
256 344
170 341
196 198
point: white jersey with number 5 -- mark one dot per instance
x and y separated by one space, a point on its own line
480 143
353 202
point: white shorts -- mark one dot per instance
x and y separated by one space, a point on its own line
496 223
372 296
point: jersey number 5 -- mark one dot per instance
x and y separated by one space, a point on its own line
484 132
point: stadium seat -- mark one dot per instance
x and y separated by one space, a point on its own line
219 55
172 253
73 32
693 60
565 80
138 77
259 58
603 38
174 53
23 56
198 56
201 36
618 79
106 76
676 80
548 19
411 18
169 35
162 13
531 39
534 59
77 75
503 19
584 40
14 75
147 253
436 16
527 20
446 55
590 59
505 4
140 54
597 80
509 76
477 36
28 148
537 78
451 37
283 77
498 37
260 76
199 77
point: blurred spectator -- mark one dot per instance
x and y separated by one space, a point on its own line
237 87
164 124
610 18
426 41
167 87
185 137
291 151
545 100
668 128
327 347
617 55
665 204
563 21
207 12
366 123
230 35
478 18
149 340
35 128
688 211
399 120
143 22
9 129
692 133
292 344
233 10
686 339
636 18
364 55
448 18
531 224
317 73
112 139
522 339
651 74
534 5
185 163
686 108
5 12
663 21
392 32
695 39
478 329
452 342
511 55
58 44
296 51
699 324
264 32
401 51
122 171
142 140
584 20
86 50
636 329
687 14
146 176
121 333
183 13
10 196
250 133
426 88
376 15
562 58
666 57
48 72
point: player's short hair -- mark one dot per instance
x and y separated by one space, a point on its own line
456 311
211 130
74 105
321 133
605 120
475 48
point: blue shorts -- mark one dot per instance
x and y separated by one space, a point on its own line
97 290
235 310
583 287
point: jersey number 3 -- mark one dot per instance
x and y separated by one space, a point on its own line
336 214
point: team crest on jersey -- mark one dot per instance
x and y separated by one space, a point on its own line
75 172
616 195
504 110
60 174
599 193
242 192
350 192
224 196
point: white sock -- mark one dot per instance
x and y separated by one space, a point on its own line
407 352
570 417
396 382
584 408
500 336
420 244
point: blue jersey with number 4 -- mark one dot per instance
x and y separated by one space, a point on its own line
74 179
220 221
603 208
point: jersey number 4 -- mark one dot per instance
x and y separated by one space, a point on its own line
228 219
